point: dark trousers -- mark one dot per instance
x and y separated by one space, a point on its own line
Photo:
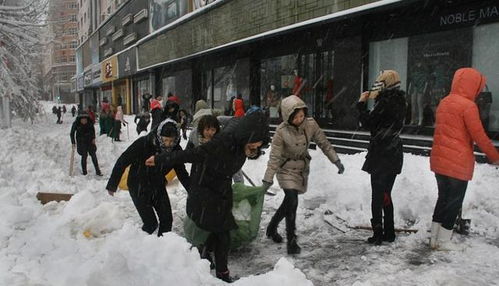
117 130
381 185
287 210
219 243
84 161
148 209
451 193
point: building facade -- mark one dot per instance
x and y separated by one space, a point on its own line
327 51
59 65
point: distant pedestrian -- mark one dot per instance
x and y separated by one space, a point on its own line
58 113
73 111
238 106
144 118
83 136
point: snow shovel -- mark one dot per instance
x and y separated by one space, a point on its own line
71 161
253 184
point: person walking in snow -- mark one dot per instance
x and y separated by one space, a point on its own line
209 203
452 160
83 136
64 110
290 160
118 120
170 110
58 112
147 184
384 157
73 111
144 118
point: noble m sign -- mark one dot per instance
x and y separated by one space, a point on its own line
109 69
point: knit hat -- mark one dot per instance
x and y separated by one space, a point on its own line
167 128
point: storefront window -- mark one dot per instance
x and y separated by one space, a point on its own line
142 87
426 64
179 84
486 60
226 84
276 81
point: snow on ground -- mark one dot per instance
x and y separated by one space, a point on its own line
46 245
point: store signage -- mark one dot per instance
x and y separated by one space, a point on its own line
109 69
469 16
87 79
79 83
127 63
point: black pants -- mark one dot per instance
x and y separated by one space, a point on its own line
451 193
287 210
148 209
84 160
381 185
117 130
219 243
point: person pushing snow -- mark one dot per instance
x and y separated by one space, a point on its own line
146 184
83 137
452 160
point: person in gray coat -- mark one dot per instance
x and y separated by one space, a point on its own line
290 161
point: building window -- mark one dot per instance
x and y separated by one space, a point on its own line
73 44
72 18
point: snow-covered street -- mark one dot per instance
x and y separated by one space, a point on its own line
95 239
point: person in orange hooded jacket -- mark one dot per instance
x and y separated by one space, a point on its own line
452 160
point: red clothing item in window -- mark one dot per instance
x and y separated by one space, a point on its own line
238 107
297 85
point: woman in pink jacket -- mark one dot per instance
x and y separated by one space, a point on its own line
457 127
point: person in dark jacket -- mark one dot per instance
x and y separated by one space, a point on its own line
156 111
146 101
209 203
144 118
147 184
58 112
171 110
83 136
385 155
73 111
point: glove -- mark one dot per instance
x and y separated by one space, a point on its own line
340 167
266 185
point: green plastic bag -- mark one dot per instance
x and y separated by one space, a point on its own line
247 210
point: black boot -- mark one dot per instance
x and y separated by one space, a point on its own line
293 247
272 229
204 252
225 276
377 237
388 227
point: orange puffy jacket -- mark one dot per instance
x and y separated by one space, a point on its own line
457 126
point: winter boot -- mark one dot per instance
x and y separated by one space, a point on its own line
98 172
225 276
204 252
388 227
292 245
272 230
444 242
377 237
435 228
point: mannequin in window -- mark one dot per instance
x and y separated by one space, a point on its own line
272 101
297 84
417 89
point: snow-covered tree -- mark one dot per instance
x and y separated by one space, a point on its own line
21 28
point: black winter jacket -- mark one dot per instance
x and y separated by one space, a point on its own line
385 122
209 203
145 181
82 135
